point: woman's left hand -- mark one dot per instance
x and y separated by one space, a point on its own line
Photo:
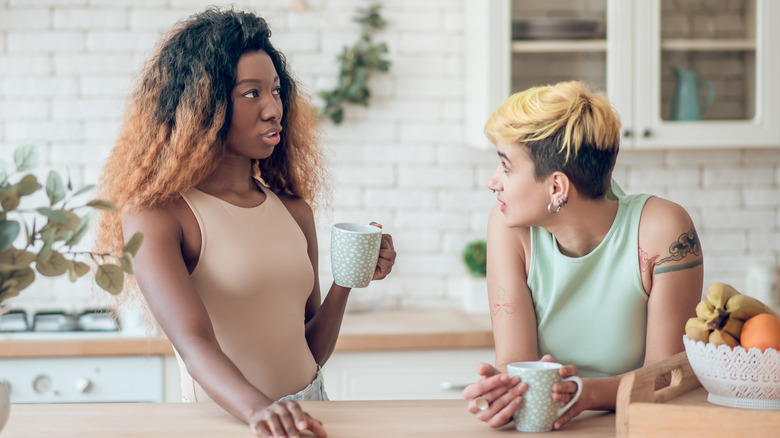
386 256
563 392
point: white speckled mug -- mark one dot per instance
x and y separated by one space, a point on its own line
538 411
354 251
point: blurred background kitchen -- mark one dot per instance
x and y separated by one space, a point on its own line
414 159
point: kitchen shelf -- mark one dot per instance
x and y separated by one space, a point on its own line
559 46
709 44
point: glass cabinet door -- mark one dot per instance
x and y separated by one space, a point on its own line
708 60
558 41
705 74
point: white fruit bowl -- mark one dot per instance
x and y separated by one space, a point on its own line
735 377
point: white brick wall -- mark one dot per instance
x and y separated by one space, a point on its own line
67 65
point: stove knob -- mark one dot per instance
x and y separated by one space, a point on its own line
42 384
83 385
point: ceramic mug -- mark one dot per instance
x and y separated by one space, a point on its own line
538 411
354 251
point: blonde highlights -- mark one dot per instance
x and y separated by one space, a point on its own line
567 127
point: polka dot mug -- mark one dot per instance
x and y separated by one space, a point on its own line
538 411
354 251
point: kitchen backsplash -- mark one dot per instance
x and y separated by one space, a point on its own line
67 65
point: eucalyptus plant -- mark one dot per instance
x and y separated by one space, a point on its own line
357 64
45 236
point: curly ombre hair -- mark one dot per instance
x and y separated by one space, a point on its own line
178 116
565 127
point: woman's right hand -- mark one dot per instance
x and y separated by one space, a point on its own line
503 394
284 419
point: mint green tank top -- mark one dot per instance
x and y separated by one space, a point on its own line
591 311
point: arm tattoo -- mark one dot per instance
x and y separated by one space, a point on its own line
501 306
645 261
687 244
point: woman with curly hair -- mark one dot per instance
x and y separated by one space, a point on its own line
218 165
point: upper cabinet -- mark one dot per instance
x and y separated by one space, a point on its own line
681 73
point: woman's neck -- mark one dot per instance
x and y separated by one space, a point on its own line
232 176
582 225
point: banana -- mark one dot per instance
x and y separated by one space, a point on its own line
719 293
696 329
733 327
706 310
719 337
745 307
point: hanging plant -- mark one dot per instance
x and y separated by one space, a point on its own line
358 64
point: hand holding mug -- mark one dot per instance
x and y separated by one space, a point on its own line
360 253
539 410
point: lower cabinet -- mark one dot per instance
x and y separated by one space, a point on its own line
95 379
403 375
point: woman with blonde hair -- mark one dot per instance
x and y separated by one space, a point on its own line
218 164
578 272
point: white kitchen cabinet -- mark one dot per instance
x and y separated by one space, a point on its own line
728 43
403 375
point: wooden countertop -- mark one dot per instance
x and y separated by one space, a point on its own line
342 419
401 329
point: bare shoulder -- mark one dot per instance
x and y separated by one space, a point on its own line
510 242
166 220
667 230
661 217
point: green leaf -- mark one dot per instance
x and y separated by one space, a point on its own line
76 270
48 235
102 204
9 199
53 215
12 259
132 245
72 220
11 285
110 278
55 189
81 229
54 266
25 156
84 190
28 185
9 230
126 263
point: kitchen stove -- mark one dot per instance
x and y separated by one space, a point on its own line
76 379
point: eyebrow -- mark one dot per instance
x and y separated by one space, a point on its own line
276 79
503 155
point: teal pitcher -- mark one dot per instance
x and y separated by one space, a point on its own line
686 104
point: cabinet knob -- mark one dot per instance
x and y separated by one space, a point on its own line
627 133
83 385
646 133
42 384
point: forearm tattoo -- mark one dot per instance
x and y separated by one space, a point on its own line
501 306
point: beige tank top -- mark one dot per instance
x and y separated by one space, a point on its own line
254 277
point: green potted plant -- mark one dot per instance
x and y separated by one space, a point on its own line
42 238
474 257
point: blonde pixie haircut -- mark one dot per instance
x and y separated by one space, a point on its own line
565 127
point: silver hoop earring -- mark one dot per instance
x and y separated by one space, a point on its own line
558 204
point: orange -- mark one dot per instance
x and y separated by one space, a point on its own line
761 331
